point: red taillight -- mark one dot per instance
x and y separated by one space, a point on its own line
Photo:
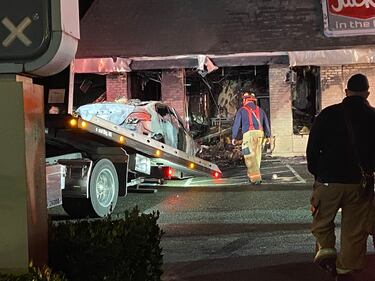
216 175
167 172
141 116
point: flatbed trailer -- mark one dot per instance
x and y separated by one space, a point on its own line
96 161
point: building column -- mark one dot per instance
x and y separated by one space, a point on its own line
173 90
117 86
23 205
281 110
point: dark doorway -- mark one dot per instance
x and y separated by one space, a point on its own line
305 97
146 85
88 88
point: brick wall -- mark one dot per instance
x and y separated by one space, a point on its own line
366 69
332 85
286 143
177 27
173 90
117 86
280 109
334 79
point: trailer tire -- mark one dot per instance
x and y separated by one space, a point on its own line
77 207
103 188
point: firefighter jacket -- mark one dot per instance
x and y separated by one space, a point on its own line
330 153
250 117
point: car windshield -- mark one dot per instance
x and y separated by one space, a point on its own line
113 112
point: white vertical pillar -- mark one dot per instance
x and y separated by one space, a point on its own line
23 212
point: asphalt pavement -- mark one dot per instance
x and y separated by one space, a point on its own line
287 267
275 171
229 230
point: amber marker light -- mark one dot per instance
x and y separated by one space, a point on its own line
83 124
158 153
192 165
73 122
122 139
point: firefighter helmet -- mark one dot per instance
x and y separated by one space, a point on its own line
247 97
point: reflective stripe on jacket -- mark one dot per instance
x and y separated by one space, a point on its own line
251 114
243 121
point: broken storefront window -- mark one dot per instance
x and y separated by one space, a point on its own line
213 102
305 83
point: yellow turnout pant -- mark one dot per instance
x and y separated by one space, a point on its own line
252 152
356 222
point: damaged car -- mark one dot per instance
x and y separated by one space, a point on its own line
151 118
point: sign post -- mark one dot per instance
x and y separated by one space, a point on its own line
40 38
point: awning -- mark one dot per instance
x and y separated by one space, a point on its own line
332 57
206 63
171 62
247 59
101 65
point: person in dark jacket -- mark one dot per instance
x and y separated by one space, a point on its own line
253 122
335 163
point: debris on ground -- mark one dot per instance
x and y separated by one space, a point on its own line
214 136
216 145
217 148
222 153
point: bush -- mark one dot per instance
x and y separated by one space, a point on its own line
109 249
35 274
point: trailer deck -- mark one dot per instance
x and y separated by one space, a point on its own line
159 152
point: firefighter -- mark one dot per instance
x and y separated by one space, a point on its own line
254 125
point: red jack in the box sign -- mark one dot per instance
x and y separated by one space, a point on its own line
359 9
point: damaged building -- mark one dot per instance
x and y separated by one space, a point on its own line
198 57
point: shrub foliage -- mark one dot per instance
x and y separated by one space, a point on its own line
111 249
35 274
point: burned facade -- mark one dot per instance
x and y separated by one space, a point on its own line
214 98
201 55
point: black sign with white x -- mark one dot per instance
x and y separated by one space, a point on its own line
24 29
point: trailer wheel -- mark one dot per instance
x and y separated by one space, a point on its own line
104 186
77 207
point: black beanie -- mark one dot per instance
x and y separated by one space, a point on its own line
358 83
